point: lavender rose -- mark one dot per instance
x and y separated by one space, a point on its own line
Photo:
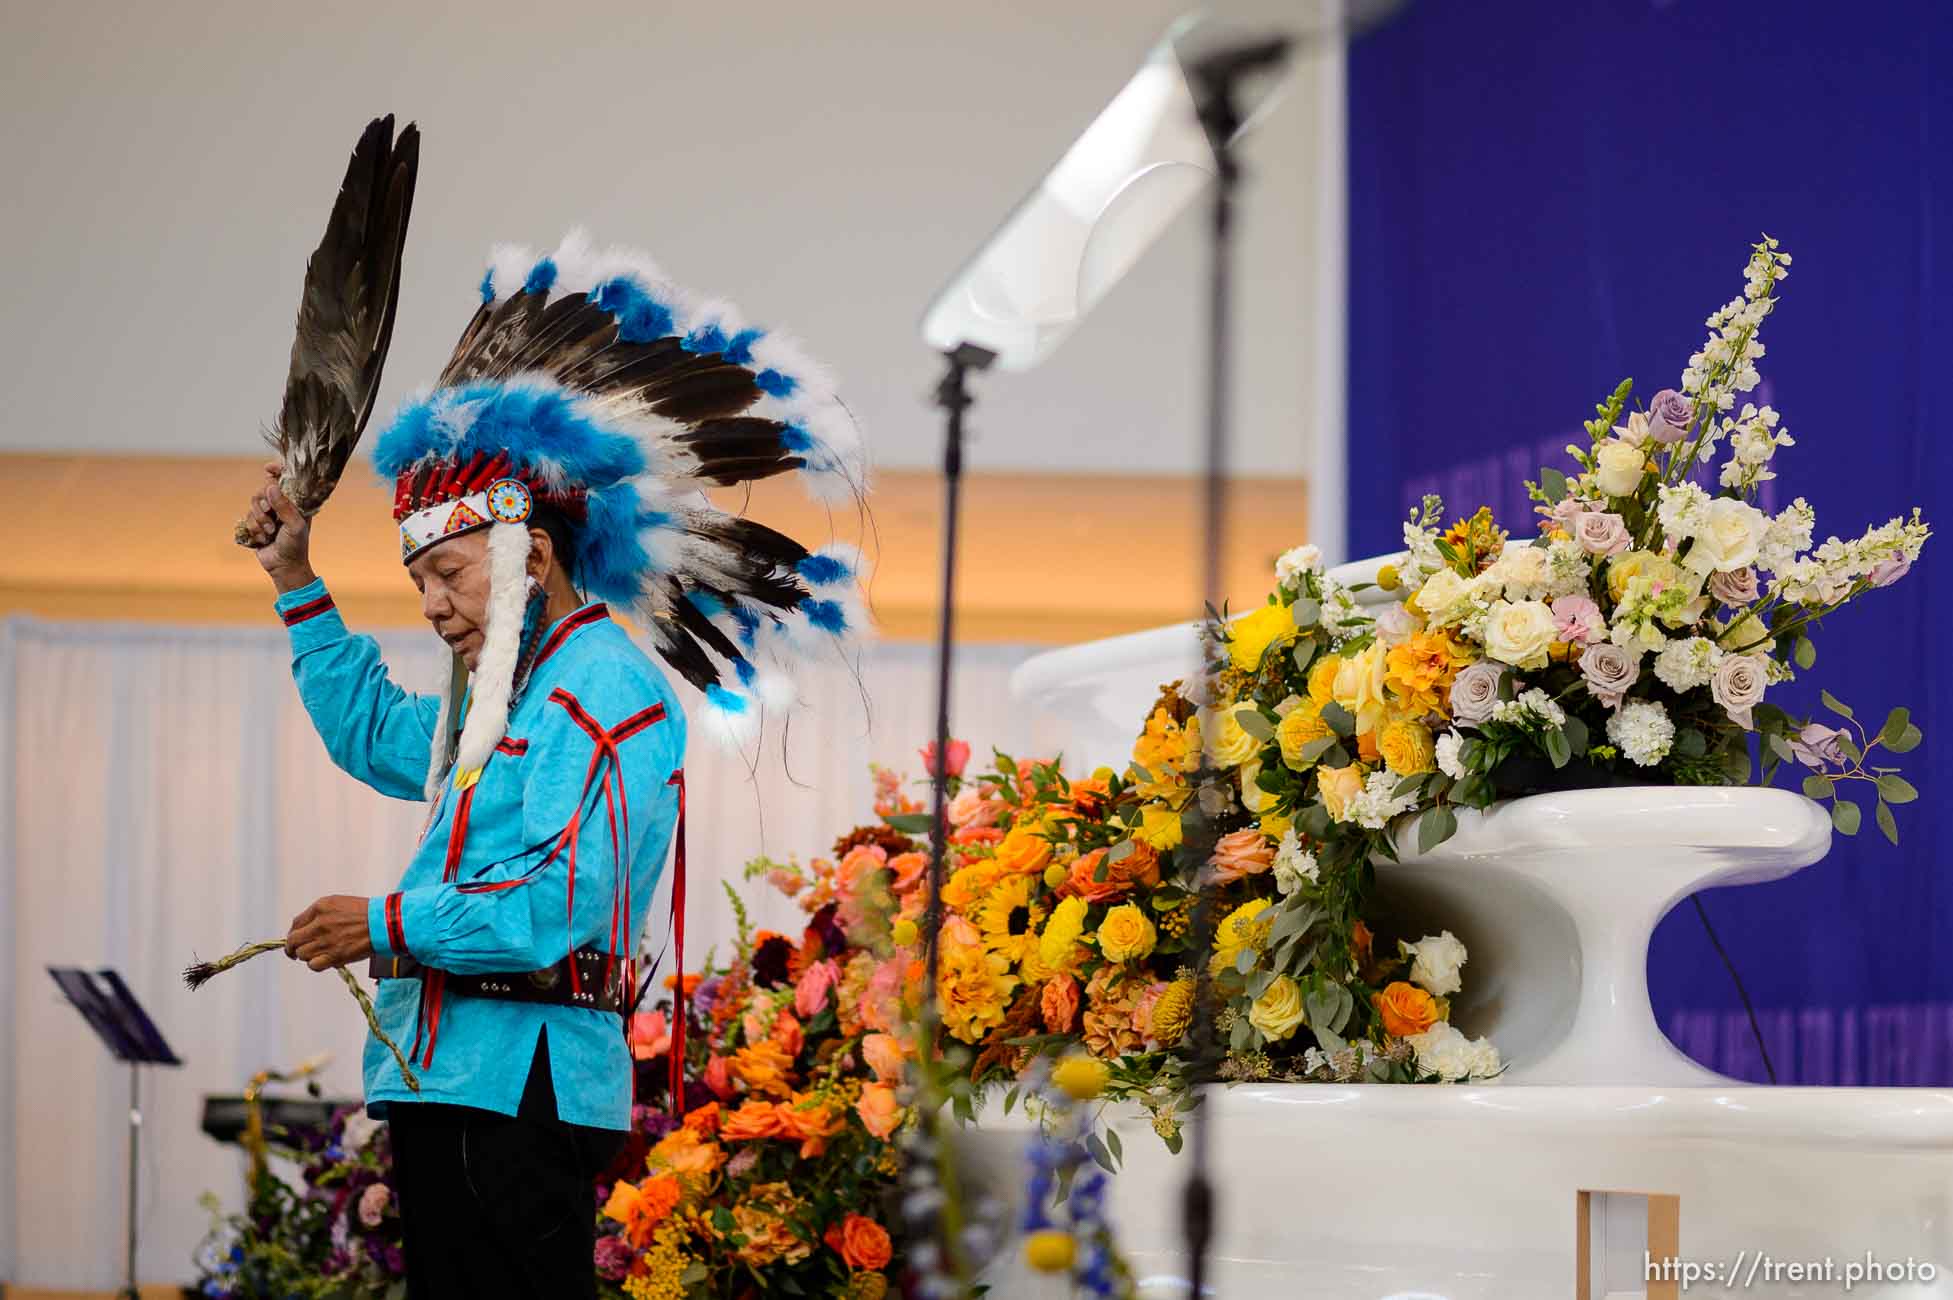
1816 746
1733 587
1888 571
1609 671
1475 692
1601 533
1738 686
1670 416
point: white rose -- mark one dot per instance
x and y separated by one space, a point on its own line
1442 597
1618 467
1435 963
1730 538
1395 623
1519 632
1293 564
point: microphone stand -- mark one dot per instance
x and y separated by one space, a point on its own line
1215 80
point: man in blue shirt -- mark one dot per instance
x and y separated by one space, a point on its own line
561 457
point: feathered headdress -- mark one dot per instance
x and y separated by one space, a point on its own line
589 383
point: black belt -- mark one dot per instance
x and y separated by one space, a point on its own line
551 985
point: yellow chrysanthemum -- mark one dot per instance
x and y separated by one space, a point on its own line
1241 929
1062 933
1419 672
1008 919
973 989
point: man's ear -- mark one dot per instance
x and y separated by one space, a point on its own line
542 554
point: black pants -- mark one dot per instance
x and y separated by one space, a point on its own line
499 1207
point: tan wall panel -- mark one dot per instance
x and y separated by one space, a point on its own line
1045 558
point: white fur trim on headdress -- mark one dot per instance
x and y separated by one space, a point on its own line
494 680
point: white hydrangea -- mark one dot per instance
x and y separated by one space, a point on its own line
1533 710
1294 864
1787 536
1686 664
1683 510
1569 569
1444 1051
1642 730
1376 803
1306 558
1447 752
1523 572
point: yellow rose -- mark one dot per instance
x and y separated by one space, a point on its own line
1023 851
1338 785
1255 799
1233 745
1278 1012
1359 685
1303 724
1618 467
1322 678
1636 564
1250 636
1159 826
1407 747
1125 934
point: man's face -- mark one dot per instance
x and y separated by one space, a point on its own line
453 581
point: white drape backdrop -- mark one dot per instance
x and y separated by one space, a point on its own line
163 797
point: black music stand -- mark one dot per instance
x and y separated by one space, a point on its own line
131 1036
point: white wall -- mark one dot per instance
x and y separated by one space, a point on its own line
826 165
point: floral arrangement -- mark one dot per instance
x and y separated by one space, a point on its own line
769 1175
334 1234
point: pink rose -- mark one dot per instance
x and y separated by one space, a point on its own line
1577 620
373 1204
1733 587
1600 533
959 757
650 1036
972 810
810 994
1243 853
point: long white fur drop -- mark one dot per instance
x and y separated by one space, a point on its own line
494 680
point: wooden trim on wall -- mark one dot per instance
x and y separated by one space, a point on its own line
1046 558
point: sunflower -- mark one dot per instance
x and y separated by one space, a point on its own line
1009 919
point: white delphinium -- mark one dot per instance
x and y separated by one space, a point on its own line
1683 509
1754 439
1294 864
1376 803
1686 664
1726 365
1787 537
1421 557
1827 575
1569 569
1447 755
1642 730
1533 710
1292 564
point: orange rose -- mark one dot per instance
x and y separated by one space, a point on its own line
753 1121
885 1055
860 1242
1366 746
1140 868
1243 853
692 981
1406 1009
909 869
762 1066
1058 1004
787 1033
813 1122
704 1120
1024 851
718 1077
878 1110
977 835
682 1151
1360 941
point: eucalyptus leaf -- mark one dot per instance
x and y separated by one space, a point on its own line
1895 726
1576 735
1251 720
1121 851
1832 703
1781 748
1690 743
1557 748
1112 1142
909 823
1886 823
1100 1156
1846 816
1306 611
1802 652
1304 653
1908 740
1244 961
1316 748
1896 789
1553 483
1435 827
1340 720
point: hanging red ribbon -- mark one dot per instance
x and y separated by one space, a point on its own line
678 947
